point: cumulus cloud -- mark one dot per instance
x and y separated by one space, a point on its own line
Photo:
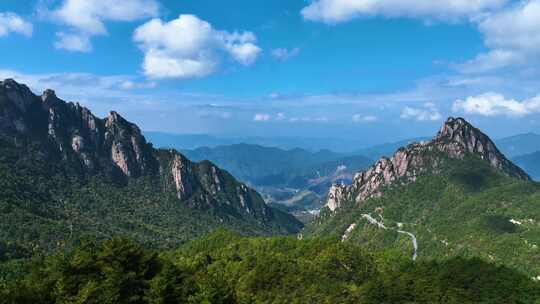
13 23
261 117
335 11
428 112
188 47
493 104
359 118
511 29
284 54
87 18
513 36
73 42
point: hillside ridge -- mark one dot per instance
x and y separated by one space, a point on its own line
82 149
456 139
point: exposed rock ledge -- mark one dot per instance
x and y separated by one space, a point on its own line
456 139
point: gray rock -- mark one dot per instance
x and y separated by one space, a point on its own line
456 139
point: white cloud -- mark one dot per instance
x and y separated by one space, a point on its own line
12 23
511 29
493 104
492 60
188 47
513 37
515 28
79 85
428 112
359 118
305 119
131 85
335 11
281 116
73 42
87 18
284 54
241 46
261 117
215 114
300 119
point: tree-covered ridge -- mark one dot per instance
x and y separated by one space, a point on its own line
66 173
226 268
467 209
46 205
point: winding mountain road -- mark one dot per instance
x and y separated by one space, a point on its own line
381 225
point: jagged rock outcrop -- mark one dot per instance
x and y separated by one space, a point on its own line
181 172
456 139
113 147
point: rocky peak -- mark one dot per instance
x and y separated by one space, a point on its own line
456 139
48 94
128 145
472 140
114 118
460 131
74 129
19 94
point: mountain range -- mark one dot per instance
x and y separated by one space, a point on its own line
451 216
530 163
66 173
517 145
194 141
297 179
455 195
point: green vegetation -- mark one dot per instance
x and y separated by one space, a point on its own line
298 179
226 268
46 204
468 210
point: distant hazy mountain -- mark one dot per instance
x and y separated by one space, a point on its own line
193 141
285 176
252 163
519 144
185 141
388 149
530 163
296 168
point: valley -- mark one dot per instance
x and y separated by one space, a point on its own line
270 152
76 182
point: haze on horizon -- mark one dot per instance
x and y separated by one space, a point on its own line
375 71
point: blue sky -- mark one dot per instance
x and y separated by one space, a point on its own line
378 70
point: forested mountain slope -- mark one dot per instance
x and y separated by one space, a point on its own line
226 268
455 195
65 173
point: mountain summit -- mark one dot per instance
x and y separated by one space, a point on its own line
454 195
107 174
455 140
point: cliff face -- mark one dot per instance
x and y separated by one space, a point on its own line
456 139
70 134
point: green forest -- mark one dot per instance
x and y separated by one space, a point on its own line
468 210
223 267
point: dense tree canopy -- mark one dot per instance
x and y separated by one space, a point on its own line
226 268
